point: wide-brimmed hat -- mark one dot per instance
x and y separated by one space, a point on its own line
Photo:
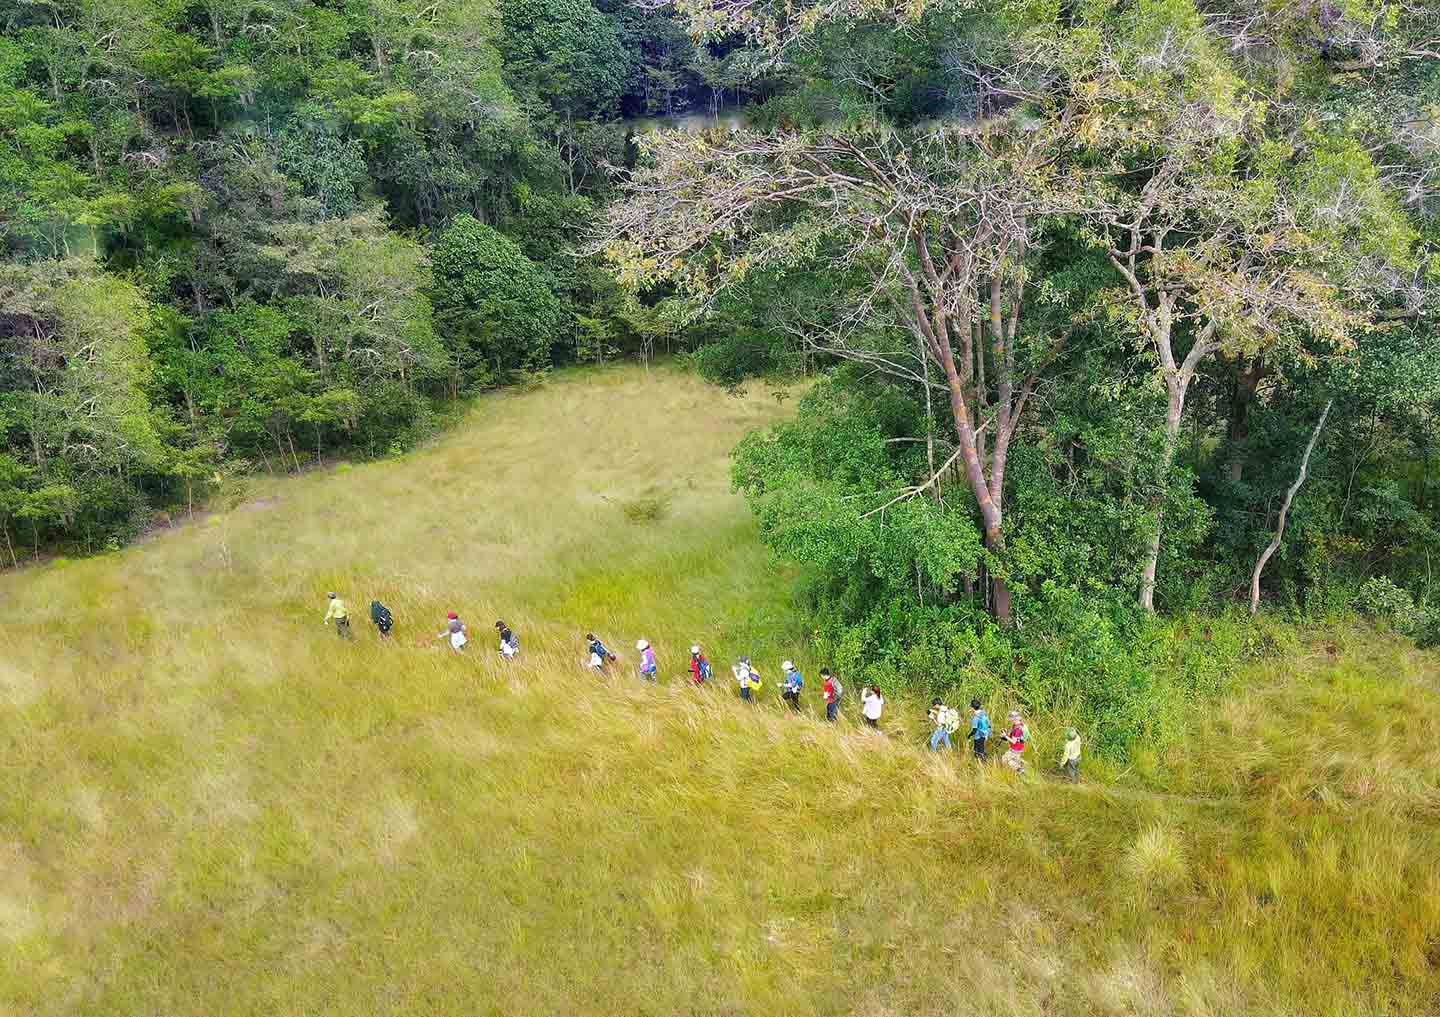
641 644
788 665
695 648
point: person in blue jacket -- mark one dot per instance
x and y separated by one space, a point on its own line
979 729
791 682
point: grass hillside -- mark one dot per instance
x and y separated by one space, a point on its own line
213 806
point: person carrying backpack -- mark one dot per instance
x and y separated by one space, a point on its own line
979 729
647 660
599 655
454 631
794 681
872 705
1016 737
699 667
336 612
946 722
833 690
748 679
381 617
509 645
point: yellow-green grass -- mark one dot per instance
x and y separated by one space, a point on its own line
211 805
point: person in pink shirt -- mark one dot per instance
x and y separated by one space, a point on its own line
1015 734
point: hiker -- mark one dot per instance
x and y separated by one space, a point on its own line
1016 736
509 645
341 617
748 679
1070 756
979 729
647 660
699 667
794 682
946 721
872 705
833 690
599 655
380 615
455 632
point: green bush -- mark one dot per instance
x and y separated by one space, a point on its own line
495 302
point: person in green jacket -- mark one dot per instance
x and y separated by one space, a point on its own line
339 615
1070 756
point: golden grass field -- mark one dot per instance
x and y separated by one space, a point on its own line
212 806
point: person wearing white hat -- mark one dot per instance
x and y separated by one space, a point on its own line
792 683
647 660
699 667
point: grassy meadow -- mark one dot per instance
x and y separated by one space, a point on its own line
211 805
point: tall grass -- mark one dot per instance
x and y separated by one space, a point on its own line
213 806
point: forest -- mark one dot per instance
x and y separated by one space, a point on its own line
1097 309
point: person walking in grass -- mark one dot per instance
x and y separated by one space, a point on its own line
509 645
747 678
699 667
872 705
945 721
454 631
599 655
833 690
979 729
336 612
647 660
1016 735
794 681
381 618
1070 756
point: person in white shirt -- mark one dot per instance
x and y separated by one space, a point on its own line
872 705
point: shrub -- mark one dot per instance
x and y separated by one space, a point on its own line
1380 598
494 299
644 510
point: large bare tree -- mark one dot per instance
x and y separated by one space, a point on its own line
940 222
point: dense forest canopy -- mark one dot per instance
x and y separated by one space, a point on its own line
248 235
1107 298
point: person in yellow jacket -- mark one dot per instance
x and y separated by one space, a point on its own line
341 617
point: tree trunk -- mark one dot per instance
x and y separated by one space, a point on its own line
1167 460
1285 510
1247 382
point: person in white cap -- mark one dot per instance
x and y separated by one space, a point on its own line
793 682
647 660
1016 735
699 667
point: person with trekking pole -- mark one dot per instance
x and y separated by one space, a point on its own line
792 682
979 729
832 690
699 667
336 612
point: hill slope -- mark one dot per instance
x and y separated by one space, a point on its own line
212 806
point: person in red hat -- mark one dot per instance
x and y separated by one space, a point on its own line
455 632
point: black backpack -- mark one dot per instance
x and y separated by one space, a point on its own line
380 615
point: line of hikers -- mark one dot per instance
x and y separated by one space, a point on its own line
945 720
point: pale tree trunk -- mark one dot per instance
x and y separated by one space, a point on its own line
1285 510
1173 414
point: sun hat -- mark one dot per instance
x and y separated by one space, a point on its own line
641 644
451 615
695 648
1013 715
788 666
331 595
